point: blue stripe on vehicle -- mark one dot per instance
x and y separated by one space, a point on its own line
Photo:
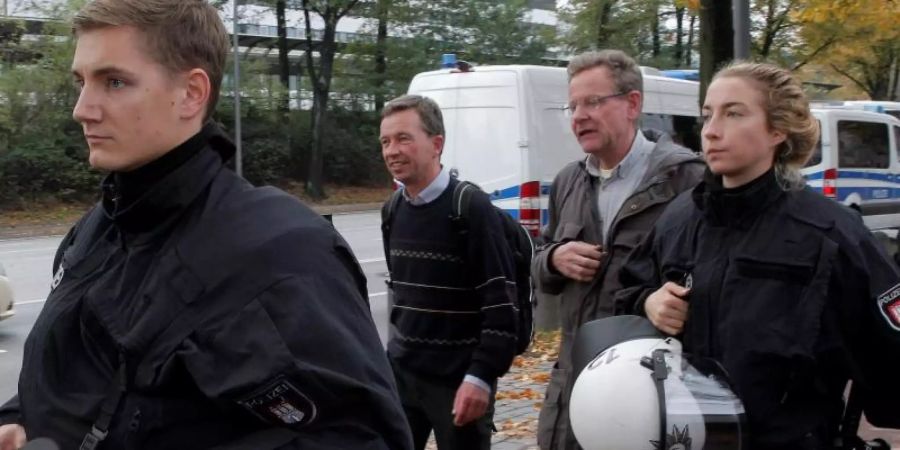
514 213
516 191
857 174
506 193
815 176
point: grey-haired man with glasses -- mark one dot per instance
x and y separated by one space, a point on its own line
600 209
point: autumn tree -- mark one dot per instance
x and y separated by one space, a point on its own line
774 26
858 39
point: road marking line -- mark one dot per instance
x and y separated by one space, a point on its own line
371 260
29 250
30 302
42 300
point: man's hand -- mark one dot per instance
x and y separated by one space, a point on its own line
577 260
470 403
12 437
666 308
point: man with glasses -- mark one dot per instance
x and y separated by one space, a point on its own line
600 209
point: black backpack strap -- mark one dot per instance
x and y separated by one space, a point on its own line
462 198
387 219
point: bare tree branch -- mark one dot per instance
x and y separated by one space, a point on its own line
342 12
828 42
852 78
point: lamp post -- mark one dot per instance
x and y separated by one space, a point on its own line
741 14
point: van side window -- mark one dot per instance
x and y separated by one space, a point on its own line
863 144
682 129
816 157
897 140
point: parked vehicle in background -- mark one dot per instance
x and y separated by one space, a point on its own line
6 296
507 131
857 163
881 106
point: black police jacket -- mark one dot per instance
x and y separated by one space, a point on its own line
791 293
240 318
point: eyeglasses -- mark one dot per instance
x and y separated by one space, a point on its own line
589 103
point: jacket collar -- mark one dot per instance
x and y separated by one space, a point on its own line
664 154
737 207
143 199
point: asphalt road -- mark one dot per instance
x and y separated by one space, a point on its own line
28 264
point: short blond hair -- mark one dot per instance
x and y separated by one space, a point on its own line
180 34
787 110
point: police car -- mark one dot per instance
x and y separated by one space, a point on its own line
6 296
856 162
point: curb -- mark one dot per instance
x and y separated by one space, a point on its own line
345 209
59 229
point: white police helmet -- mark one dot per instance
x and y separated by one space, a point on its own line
643 394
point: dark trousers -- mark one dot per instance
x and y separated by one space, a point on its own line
428 405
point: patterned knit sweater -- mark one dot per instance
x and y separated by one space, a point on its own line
454 296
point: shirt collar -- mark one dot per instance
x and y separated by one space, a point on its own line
433 191
628 164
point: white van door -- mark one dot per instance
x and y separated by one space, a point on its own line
481 117
868 169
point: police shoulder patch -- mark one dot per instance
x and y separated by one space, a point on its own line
889 304
280 403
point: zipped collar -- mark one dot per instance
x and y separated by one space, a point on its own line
142 199
736 207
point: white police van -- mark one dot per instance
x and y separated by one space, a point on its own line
882 106
506 129
857 163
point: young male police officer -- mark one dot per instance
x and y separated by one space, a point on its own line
600 209
454 297
189 309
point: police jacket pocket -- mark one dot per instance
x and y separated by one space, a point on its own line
773 317
174 421
771 293
776 270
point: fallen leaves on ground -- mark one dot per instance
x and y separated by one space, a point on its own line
520 394
526 382
517 428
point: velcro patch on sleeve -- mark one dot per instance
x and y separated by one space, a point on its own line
889 303
281 403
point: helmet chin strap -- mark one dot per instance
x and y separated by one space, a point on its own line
659 372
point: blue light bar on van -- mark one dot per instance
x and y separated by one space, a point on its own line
874 108
448 61
686 74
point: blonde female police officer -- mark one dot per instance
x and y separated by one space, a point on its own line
786 289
